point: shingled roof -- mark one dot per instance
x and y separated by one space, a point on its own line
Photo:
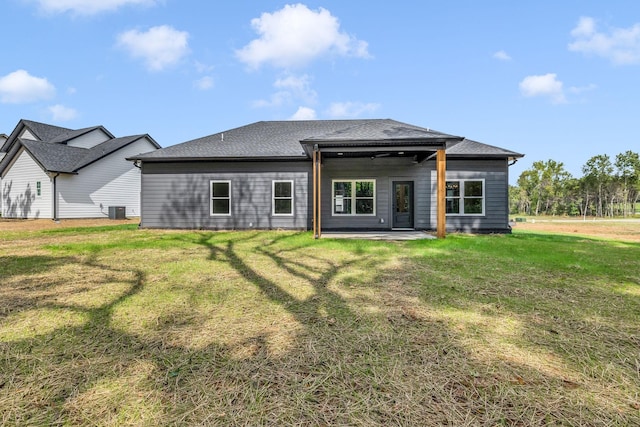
288 140
53 154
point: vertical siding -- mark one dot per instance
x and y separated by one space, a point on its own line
19 189
177 195
495 175
89 140
111 181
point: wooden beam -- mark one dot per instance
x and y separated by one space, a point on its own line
441 169
319 194
315 196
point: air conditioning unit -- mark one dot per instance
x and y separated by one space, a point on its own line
117 212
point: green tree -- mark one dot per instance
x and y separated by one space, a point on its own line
628 174
598 175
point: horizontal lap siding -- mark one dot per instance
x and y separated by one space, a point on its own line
19 190
384 171
177 195
110 181
495 174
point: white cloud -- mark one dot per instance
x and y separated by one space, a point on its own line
581 89
88 7
304 113
291 88
502 55
159 47
203 68
546 85
621 45
60 113
204 83
351 109
20 87
296 35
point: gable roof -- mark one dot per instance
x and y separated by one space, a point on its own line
48 133
53 154
293 140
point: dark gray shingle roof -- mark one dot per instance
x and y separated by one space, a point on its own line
379 130
43 131
471 148
283 139
66 137
54 157
65 159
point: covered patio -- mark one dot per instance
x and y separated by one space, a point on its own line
376 142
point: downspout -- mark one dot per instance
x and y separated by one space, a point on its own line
55 198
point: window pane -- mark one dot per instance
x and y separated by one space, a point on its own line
364 189
453 206
342 205
220 189
282 189
364 206
342 189
473 188
283 206
453 188
221 206
473 206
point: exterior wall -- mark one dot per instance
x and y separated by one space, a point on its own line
384 171
110 181
90 139
20 199
496 192
177 195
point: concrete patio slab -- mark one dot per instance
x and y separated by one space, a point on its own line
377 235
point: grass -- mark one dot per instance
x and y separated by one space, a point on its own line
118 326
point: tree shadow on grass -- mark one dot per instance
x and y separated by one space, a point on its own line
384 360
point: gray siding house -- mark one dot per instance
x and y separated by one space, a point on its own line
375 174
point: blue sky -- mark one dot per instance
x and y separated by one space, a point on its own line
553 80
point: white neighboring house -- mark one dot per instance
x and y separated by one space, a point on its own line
3 139
53 172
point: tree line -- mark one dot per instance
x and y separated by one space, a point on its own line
609 187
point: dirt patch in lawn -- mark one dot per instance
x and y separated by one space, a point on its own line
11 224
608 229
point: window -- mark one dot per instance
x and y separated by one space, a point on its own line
282 202
38 188
220 197
465 197
356 197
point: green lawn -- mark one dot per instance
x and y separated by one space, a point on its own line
119 326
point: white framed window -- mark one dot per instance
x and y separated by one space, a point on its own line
465 197
38 188
220 197
353 197
282 197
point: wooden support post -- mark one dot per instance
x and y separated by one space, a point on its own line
319 194
315 196
441 169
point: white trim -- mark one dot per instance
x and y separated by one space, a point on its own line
273 197
217 181
353 197
461 197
